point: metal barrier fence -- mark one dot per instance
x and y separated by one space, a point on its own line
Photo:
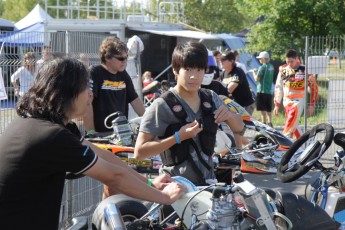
324 57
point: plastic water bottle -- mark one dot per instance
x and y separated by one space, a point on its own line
122 130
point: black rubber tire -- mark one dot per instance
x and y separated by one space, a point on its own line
129 208
288 176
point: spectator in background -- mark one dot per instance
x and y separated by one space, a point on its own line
238 63
84 59
236 81
46 55
264 81
147 79
23 78
212 73
290 86
112 86
217 55
238 87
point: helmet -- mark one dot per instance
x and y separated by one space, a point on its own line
211 67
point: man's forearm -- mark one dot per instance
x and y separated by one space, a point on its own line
108 156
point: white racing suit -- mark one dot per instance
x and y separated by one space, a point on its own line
290 86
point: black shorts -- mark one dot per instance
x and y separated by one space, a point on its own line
264 102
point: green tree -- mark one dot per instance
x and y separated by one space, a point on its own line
286 23
14 10
216 16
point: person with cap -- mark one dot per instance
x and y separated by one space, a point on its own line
264 81
290 86
236 81
212 73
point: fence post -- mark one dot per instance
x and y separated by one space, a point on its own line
69 199
306 83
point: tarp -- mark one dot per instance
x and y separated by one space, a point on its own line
29 36
174 32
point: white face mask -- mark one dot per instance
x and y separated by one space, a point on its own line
208 77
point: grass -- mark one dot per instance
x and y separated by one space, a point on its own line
319 116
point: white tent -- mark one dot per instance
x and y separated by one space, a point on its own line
36 15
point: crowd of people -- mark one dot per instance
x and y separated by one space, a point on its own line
43 144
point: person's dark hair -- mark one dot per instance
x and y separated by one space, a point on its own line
110 47
291 54
55 87
189 55
235 52
215 52
228 55
29 59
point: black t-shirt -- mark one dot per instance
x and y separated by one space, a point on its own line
34 158
217 87
112 93
242 93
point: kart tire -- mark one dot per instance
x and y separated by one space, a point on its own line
313 153
130 209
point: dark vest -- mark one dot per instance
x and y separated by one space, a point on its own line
179 153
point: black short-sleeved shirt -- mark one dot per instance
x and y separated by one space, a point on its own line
34 158
242 93
112 93
217 87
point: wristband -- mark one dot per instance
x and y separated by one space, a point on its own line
177 138
149 182
91 131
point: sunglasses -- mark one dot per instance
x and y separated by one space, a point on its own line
121 58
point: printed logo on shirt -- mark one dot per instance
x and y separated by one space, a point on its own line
177 108
113 85
207 105
299 76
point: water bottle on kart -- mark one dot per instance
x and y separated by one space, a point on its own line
123 134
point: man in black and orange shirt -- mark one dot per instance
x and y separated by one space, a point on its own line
112 87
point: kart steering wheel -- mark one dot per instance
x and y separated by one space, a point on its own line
287 170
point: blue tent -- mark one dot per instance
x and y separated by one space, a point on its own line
30 36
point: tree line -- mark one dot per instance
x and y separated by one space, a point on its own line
271 25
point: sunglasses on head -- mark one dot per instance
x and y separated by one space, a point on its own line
121 58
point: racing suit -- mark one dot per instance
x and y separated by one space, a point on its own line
290 86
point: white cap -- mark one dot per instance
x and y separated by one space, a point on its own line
263 54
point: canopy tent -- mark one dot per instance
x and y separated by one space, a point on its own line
29 30
36 15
